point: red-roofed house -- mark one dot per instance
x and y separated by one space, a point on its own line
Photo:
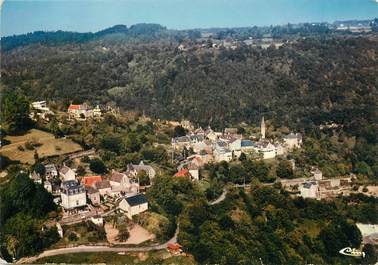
91 180
80 111
73 108
183 173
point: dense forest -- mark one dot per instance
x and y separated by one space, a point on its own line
307 82
266 226
316 78
24 207
310 81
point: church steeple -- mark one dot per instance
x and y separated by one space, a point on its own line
263 128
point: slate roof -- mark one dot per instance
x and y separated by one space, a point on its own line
103 184
64 170
50 167
245 143
181 139
71 187
308 184
117 177
91 190
293 136
136 200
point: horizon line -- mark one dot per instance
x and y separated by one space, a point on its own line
186 29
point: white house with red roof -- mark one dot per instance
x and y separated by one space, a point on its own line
81 111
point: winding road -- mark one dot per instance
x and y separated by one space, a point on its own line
220 198
83 248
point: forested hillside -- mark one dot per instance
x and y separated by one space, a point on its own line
312 81
307 82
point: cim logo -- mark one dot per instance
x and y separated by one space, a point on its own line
352 252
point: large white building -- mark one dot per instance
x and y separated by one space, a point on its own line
222 152
73 195
40 105
309 189
293 140
133 205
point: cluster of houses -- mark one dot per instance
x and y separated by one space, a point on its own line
208 42
209 145
318 187
79 112
83 111
75 193
40 110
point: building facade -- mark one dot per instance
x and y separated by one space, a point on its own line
73 195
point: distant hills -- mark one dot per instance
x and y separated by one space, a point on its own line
148 32
64 37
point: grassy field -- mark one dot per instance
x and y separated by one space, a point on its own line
156 257
48 145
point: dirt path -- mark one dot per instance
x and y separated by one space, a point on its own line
220 198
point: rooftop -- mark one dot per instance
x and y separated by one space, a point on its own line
245 143
64 170
72 187
292 136
74 107
182 173
91 190
117 177
136 200
103 184
90 180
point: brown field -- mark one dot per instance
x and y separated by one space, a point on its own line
50 146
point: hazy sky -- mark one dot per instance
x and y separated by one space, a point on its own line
21 16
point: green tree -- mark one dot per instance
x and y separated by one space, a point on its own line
242 157
54 128
97 166
80 170
144 179
371 256
15 110
123 233
133 143
339 234
284 169
40 169
179 131
363 168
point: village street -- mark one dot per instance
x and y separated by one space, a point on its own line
80 249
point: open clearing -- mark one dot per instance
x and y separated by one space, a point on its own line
49 146
138 235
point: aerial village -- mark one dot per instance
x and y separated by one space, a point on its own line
96 197
123 190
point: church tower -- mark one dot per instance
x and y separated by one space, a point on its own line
262 128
